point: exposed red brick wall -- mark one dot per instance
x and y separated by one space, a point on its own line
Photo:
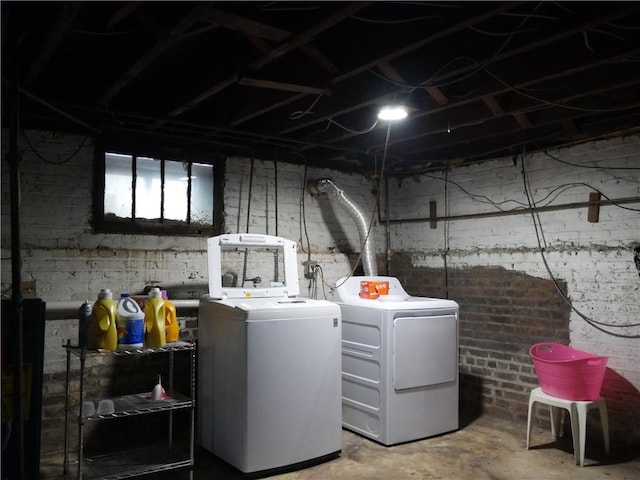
502 313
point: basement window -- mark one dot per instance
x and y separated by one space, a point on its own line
155 194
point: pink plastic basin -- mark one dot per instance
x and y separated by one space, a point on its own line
565 372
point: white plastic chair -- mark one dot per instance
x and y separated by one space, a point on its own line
578 414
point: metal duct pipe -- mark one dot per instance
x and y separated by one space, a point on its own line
325 185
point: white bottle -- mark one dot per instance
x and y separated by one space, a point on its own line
130 323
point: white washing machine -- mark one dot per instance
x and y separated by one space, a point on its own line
269 391
399 362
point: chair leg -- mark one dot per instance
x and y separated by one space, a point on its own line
581 411
529 420
555 415
604 421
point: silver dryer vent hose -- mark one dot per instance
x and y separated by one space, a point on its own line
325 185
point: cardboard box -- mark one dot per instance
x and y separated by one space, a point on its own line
373 289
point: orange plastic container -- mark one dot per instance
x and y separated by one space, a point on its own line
568 373
171 325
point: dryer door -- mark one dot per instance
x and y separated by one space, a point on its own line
425 351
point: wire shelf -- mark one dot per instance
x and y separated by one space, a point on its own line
169 347
130 463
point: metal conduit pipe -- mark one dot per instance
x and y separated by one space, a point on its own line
326 185
69 309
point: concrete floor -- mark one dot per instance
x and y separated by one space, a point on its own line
483 448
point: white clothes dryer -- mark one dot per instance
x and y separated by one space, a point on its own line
399 362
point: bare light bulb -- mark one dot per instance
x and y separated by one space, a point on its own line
392 113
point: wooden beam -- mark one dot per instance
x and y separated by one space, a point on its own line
254 30
261 111
122 13
245 25
287 87
154 52
204 95
629 83
429 39
522 120
66 14
389 71
593 211
529 46
308 35
494 107
257 30
438 95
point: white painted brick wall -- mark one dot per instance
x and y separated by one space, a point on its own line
595 259
69 262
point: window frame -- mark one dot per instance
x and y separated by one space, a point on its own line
102 223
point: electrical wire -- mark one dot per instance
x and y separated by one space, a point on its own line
581 166
246 250
105 34
446 231
542 245
301 113
560 105
560 189
51 162
499 34
354 132
390 22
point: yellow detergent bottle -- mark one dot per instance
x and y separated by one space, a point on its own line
103 329
171 319
154 320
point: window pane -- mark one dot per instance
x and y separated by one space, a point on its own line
202 194
117 184
175 190
147 187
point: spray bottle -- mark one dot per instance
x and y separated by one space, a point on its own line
84 324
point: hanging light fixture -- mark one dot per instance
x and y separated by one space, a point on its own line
392 112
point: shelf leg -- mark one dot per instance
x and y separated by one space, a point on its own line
80 419
65 464
171 392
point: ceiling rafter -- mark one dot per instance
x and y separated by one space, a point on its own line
494 107
307 35
122 13
460 71
540 106
56 33
272 33
313 97
261 111
497 110
154 52
425 41
257 30
287 87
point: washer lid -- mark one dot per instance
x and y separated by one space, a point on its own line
258 309
252 266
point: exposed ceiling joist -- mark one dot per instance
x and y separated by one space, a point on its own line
55 35
479 78
153 53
